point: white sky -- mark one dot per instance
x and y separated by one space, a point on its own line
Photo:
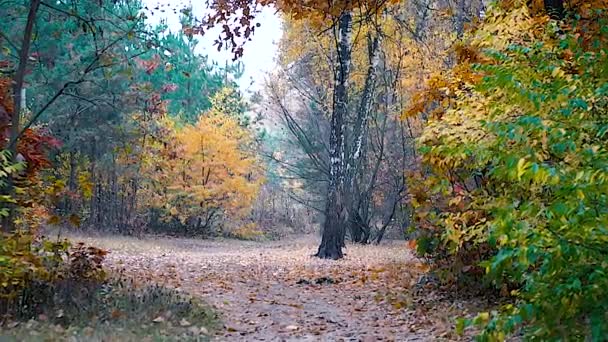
259 53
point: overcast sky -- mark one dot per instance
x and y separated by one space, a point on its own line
259 53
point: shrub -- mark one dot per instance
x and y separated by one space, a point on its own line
33 270
248 231
517 171
65 289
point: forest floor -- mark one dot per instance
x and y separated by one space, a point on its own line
275 291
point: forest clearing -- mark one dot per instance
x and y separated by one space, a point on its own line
304 170
277 291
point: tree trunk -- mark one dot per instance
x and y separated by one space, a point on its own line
94 200
460 17
334 227
19 78
356 152
18 81
356 233
72 186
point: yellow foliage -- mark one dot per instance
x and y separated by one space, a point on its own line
248 231
210 166
413 60
320 11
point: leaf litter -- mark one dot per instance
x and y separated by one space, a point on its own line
275 291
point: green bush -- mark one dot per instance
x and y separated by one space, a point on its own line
518 172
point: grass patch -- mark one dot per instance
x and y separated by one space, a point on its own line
118 311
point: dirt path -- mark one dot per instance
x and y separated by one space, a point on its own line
274 291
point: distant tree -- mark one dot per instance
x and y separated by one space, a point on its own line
210 171
73 46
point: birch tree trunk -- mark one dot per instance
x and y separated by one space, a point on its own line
334 227
357 221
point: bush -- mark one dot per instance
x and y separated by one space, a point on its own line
517 161
64 292
248 231
33 270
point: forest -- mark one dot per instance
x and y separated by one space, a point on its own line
410 170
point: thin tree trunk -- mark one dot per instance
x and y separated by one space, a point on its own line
19 78
360 133
72 186
18 81
94 200
334 228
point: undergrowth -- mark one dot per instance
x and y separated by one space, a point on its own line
117 310
53 290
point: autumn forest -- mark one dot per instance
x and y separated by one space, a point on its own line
408 170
